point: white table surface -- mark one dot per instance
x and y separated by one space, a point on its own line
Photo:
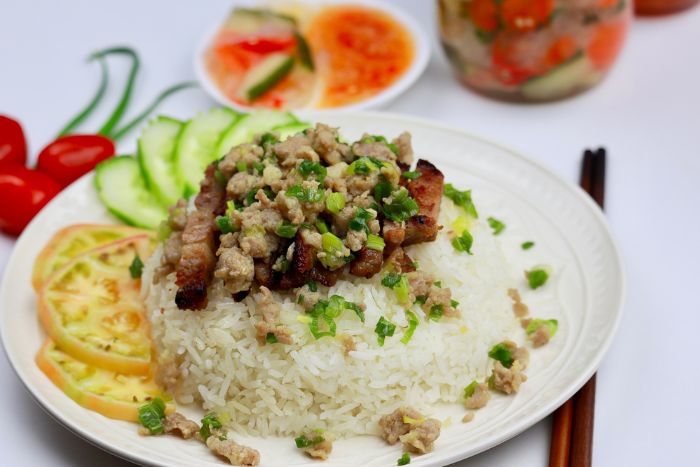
645 114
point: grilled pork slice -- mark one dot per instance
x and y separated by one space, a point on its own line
427 191
367 262
199 245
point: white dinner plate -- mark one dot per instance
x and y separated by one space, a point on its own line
570 232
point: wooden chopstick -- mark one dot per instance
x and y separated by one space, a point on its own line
572 428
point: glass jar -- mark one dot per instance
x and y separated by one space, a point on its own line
532 50
661 7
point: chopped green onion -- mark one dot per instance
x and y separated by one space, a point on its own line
382 189
404 460
304 442
469 390
356 308
462 199
270 338
402 206
286 229
267 139
241 166
304 194
331 246
136 268
164 231
335 202
412 175
438 284
375 242
436 312
359 221
412 325
464 242
399 283
230 207
284 264
391 279
364 165
496 225
421 299
315 329
537 277
321 226
307 168
152 414
313 287
502 353
209 421
219 177
552 326
225 225
384 329
527 245
259 166
300 299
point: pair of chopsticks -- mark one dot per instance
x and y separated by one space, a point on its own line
572 429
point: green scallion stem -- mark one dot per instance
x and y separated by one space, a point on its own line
118 112
156 102
87 111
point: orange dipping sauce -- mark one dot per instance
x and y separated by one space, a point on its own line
360 52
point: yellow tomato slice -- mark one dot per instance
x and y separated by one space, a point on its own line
112 394
73 241
92 308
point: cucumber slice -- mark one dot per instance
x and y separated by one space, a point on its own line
249 125
290 129
122 189
156 155
567 77
265 75
196 146
251 20
304 51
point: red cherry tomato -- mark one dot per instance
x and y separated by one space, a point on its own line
484 14
13 145
264 45
23 193
70 157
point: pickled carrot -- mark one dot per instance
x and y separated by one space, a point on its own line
484 14
606 43
526 15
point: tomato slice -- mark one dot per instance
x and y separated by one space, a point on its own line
73 241
484 14
111 394
606 43
92 308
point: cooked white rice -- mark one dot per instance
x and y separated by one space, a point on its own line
212 356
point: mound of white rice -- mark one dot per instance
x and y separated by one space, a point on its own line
212 356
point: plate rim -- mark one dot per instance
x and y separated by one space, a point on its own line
511 431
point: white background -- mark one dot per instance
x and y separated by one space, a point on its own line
645 114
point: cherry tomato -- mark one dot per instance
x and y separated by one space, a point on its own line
526 15
484 14
23 193
13 145
70 157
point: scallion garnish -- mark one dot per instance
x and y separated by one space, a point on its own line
552 326
259 166
502 353
536 277
384 329
454 303
225 225
469 390
464 242
359 221
375 242
136 267
402 206
304 194
527 245
209 422
462 199
270 338
436 312
304 442
404 460
308 167
496 225
268 138
411 175
364 165
334 251
421 299
399 283
241 166
412 325
152 414
335 202
382 189
313 287
321 226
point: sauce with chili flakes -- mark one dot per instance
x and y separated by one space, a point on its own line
360 52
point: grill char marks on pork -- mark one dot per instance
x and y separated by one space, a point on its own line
367 262
199 244
427 191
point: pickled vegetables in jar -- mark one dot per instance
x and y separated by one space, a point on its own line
532 50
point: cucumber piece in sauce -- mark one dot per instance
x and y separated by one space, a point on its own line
196 146
577 72
265 75
249 125
156 155
251 20
122 189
